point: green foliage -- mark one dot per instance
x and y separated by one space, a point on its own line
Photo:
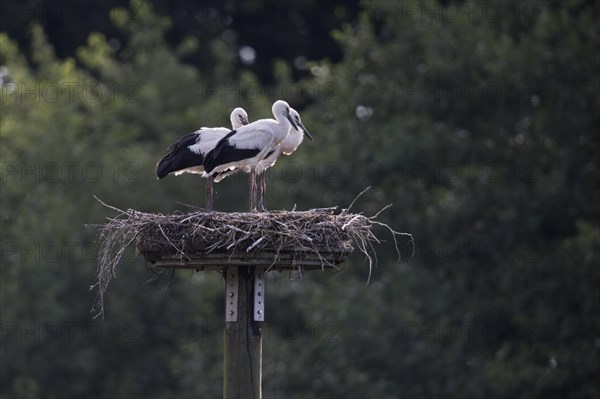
71 129
480 128
467 127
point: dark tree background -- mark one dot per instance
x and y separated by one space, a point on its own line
296 32
478 120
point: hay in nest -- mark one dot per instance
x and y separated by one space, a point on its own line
320 233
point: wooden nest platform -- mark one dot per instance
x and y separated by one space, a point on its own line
279 240
276 240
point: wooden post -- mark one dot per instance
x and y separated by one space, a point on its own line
242 372
245 278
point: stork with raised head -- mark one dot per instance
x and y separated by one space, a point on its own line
245 147
291 142
188 153
287 146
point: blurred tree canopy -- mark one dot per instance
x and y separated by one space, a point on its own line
238 23
477 120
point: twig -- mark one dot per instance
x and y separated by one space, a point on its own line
357 197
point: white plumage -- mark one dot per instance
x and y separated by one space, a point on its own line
291 142
187 155
245 147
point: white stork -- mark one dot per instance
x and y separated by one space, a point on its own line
245 147
188 153
288 146
291 142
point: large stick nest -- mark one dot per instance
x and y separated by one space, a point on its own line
321 232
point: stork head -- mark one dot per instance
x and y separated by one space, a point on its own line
296 118
281 109
238 118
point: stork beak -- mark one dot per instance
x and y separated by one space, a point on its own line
306 133
289 118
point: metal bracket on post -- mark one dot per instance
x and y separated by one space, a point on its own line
231 294
259 294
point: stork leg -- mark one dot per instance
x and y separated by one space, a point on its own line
261 192
252 184
209 193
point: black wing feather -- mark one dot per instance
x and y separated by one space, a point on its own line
224 153
185 141
179 156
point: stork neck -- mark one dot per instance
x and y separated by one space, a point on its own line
285 125
282 120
